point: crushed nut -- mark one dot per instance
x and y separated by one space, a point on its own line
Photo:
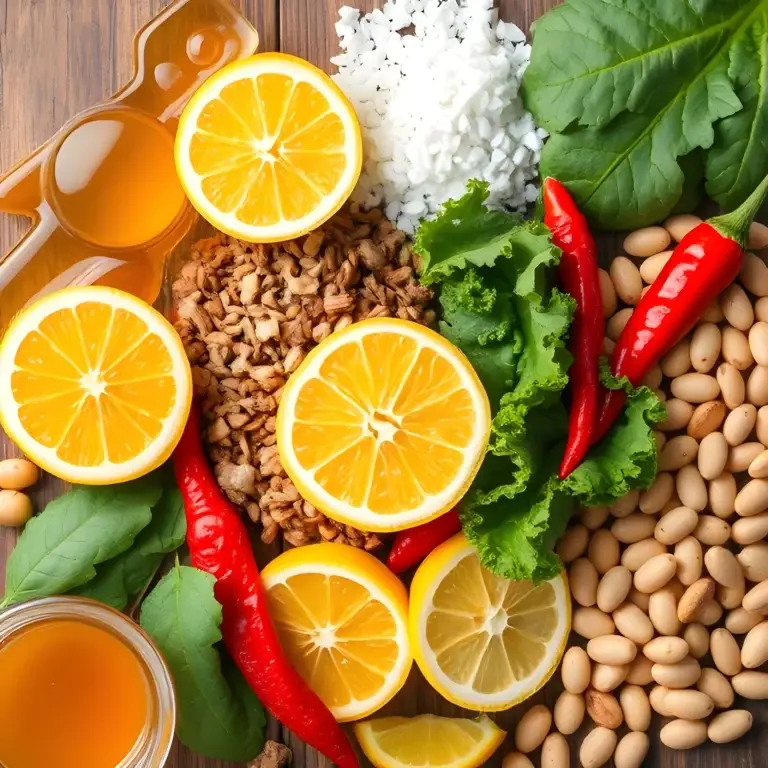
249 313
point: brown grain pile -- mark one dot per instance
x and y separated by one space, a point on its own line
248 314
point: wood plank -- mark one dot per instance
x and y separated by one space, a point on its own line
83 52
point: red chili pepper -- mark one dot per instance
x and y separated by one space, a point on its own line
706 261
412 546
218 543
578 275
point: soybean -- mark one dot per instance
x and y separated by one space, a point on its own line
739 423
533 728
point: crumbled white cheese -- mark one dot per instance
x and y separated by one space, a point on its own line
439 106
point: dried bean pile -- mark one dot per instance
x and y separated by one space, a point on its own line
670 586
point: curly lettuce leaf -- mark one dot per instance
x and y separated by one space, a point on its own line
499 306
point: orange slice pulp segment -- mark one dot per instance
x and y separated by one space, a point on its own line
269 148
384 425
95 385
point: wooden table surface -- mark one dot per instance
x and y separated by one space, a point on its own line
58 57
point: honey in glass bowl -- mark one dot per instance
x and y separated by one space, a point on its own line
81 687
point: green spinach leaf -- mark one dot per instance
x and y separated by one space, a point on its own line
219 715
60 548
629 88
121 580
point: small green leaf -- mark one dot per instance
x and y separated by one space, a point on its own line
60 548
120 580
219 716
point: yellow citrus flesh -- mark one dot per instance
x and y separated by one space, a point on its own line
384 425
268 148
428 741
342 618
484 642
95 386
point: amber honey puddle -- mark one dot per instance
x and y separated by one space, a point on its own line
72 695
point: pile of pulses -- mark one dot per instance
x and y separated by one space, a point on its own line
671 585
16 475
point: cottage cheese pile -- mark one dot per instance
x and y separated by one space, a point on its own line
438 107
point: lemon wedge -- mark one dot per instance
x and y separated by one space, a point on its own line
483 642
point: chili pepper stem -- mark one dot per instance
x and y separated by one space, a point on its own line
735 225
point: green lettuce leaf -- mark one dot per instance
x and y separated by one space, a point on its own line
506 315
629 88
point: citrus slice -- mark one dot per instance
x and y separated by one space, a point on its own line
384 425
95 386
483 642
342 618
268 148
428 741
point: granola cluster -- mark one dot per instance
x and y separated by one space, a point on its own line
248 314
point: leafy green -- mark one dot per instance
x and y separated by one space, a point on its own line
60 548
629 88
505 314
120 581
219 715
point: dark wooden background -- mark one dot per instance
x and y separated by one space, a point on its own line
58 57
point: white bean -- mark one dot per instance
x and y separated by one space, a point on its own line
737 307
697 637
731 384
597 747
662 611
679 413
740 621
752 498
576 670
614 587
681 224
636 707
611 649
626 505
695 387
633 622
754 561
573 543
759 466
748 530
593 517
616 323
741 456
690 560
757 386
758 236
652 501
715 684
641 552
633 528
754 275
729 726
608 677
674 526
603 550
678 452
722 495
712 530
555 752
583 580
754 649
569 712
651 267
691 488
591 622
713 455
678 360
739 423
608 294
647 241
761 309
533 728
761 425
751 685
736 349
626 279
706 342
723 567
758 339
725 652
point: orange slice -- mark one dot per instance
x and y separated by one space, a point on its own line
95 386
342 617
384 425
268 148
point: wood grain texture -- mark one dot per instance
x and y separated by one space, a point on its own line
58 57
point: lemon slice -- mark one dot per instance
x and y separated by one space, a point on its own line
342 617
95 386
384 425
428 741
483 642
268 148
